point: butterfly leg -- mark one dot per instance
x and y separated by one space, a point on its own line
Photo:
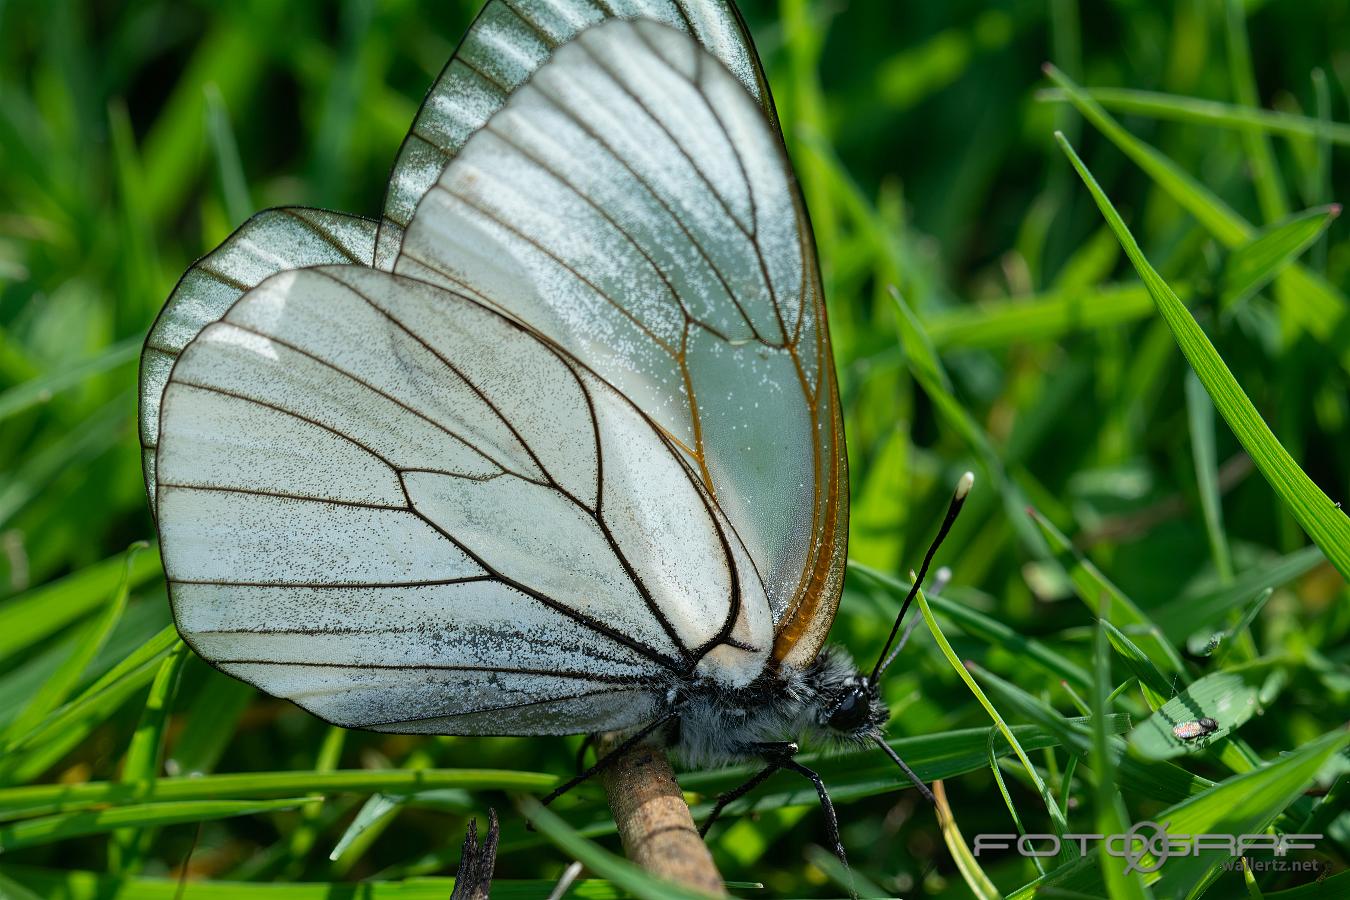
605 760
776 754
826 805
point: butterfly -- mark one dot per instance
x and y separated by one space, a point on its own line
555 446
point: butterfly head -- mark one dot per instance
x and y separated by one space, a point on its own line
856 710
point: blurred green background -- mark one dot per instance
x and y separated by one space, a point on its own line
134 136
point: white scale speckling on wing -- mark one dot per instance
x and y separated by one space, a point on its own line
367 482
578 438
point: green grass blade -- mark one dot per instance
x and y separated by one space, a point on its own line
1092 587
1327 525
1233 634
31 617
42 389
1200 417
45 799
375 811
1205 610
927 370
141 764
1244 804
1051 807
83 885
49 829
971 872
1313 303
1156 688
1229 698
848 879
229 168
1251 266
58 686
30 755
1160 780
1199 111
985 628
1051 316
1008 801
1111 815
639 883
1265 174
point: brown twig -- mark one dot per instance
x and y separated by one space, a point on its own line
654 822
473 881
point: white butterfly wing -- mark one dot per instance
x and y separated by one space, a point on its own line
271 241
404 511
632 203
506 44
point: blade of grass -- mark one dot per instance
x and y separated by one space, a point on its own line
1057 820
1156 688
42 389
1265 174
83 885
1203 610
1200 416
31 617
849 879
304 834
927 370
1051 316
1319 179
58 686
1092 586
1310 302
49 829
138 240
86 442
985 628
1007 800
1111 815
978 882
1229 698
225 150
1243 804
1326 524
141 764
1239 628
39 749
600 861
1251 266
1199 111
45 799
1160 780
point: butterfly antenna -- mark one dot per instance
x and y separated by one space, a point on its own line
953 509
886 748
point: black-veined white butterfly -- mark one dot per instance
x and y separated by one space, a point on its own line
555 446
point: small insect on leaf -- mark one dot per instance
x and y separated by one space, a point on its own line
1195 729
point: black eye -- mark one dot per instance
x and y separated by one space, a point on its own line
853 710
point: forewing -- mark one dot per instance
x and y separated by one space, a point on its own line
404 511
506 44
632 203
271 241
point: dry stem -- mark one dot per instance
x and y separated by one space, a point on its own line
654 822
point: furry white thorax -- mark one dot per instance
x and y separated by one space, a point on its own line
719 726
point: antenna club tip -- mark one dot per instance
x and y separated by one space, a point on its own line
964 485
1334 210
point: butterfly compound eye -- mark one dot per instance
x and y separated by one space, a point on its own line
853 710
